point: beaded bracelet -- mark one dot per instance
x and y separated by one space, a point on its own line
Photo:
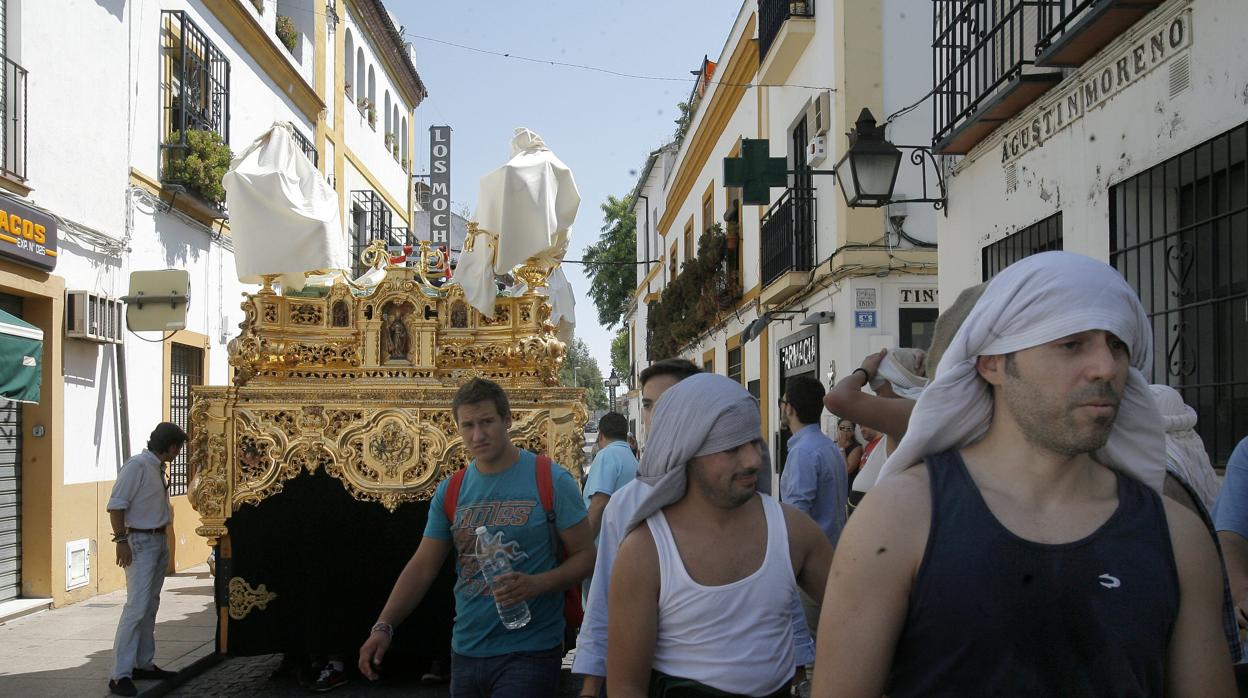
382 626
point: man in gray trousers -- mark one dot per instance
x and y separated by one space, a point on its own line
139 511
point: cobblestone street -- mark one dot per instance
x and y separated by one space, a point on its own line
249 676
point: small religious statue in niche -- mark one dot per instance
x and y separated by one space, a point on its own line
341 315
396 331
459 314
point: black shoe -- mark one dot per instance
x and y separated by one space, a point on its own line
122 687
154 673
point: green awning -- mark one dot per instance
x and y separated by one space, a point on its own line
21 359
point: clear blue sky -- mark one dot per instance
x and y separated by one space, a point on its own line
601 126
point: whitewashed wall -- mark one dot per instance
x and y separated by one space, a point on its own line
1072 171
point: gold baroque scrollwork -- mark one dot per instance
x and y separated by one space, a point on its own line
392 447
306 314
244 598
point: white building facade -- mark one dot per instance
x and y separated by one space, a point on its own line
150 74
797 75
1121 135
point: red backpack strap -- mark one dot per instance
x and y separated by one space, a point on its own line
545 487
451 497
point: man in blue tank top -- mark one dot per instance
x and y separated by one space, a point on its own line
1017 543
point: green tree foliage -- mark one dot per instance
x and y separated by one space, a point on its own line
693 302
682 121
580 370
620 358
611 262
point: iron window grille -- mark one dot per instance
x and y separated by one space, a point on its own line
772 14
186 370
788 234
13 117
1179 235
305 144
197 79
734 364
1041 236
978 46
370 220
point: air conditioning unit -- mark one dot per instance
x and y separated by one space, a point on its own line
93 317
816 150
819 113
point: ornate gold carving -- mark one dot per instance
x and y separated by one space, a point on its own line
317 387
534 274
307 314
244 598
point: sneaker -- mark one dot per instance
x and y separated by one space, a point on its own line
122 687
439 672
332 676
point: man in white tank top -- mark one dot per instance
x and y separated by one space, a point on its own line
706 576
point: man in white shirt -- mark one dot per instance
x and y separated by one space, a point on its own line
139 510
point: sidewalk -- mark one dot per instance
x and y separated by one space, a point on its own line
69 651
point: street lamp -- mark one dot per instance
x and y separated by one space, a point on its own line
611 384
868 172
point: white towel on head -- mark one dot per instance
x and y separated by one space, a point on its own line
1185 451
1037 300
903 369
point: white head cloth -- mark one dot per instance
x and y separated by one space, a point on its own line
703 414
1040 299
1185 451
903 368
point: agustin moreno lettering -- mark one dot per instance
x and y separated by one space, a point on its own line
1071 104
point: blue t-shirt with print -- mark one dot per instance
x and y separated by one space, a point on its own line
506 502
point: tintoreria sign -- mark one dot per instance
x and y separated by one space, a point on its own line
440 183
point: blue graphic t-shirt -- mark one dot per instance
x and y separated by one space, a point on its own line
505 502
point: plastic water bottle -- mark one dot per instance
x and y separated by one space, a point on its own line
495 563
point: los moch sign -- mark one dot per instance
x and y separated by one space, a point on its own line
440 184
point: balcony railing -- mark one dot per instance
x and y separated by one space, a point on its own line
788 234
305 144
984 66
1072 31
371 219
772 14
13 116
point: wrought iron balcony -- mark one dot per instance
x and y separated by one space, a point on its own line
305 144
984 67
772 14
13 115
788 235
370 220
1072 31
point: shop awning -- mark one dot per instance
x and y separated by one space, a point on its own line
21 359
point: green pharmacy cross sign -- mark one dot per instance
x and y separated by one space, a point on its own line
755 172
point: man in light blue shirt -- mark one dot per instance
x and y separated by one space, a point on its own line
1230 517
815 479
613 467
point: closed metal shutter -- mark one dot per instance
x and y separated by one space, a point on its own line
10 499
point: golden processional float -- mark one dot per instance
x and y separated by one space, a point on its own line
314 469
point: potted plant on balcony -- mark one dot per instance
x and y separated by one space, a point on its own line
198 163
394 148
286 32
389 140
346 87
259 5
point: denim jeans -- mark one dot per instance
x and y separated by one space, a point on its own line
513 675
135 643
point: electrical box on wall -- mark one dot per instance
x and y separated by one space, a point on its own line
77 564
93 317
817 150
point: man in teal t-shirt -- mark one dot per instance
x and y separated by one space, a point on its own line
613 467
499 491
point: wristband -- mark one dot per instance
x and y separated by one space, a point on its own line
865 375
382 626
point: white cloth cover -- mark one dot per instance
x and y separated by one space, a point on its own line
903 368
562 305
1185 451
1037 300
475 274
283 215
529 203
